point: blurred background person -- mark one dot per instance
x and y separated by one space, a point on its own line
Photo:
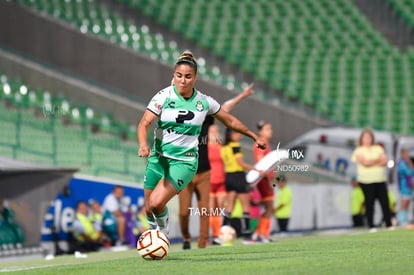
141 223
393 208
283 205
236 184
255 208
371 161
217 180
113 216
357 204
87 237
405 169
96 216
265 185
200 185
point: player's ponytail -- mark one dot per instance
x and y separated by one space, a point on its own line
188 58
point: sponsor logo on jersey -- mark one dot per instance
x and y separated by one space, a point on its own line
157 106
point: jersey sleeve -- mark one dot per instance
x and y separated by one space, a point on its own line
156 103
237 151
213 106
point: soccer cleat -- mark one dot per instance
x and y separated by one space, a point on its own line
249 241
151 223
186 245
216 241
255 237
373 230
163 224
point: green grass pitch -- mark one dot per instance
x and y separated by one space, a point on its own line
384 252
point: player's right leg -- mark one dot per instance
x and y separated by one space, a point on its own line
154 173
178 175
161 195
150 217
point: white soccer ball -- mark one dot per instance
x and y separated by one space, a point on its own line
153 245
227 235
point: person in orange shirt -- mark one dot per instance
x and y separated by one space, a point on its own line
217 180
265 186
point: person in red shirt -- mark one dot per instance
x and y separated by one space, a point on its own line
265 186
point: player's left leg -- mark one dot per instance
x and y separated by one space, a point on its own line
245 220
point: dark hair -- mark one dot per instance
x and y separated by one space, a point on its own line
260 124
118 186
368 131
188 58
227 136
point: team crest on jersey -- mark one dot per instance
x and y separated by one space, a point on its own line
199 106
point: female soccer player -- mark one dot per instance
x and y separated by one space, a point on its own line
172 162
236 184
265 186
217 179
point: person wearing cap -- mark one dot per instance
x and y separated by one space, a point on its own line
357 204
179 111
283 206
264 186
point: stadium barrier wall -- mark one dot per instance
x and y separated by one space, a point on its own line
57 44
29 192
315 207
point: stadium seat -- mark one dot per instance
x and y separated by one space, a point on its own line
305 49
47 137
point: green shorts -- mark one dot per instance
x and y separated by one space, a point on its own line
179 173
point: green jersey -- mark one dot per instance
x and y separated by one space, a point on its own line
179 122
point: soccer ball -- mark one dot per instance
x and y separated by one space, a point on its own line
153 245
227 235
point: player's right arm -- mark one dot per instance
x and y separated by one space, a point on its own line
142 133
154 109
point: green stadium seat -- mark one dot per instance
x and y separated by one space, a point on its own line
346 56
